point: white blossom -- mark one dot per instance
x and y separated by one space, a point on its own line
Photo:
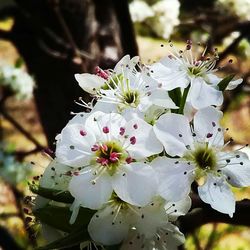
140 11
137 226
109 153
17 80
183 69
200 148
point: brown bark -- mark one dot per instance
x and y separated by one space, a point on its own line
60 38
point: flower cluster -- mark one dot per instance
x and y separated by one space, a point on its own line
12 171
161 17
237 8
129 163
16 80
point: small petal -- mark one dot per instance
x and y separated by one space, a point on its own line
175 178
238 172
174 132
146 142
207 122
88 193
216 192
234 84
73 149
135 183
202 95
179 208
89 82
105 229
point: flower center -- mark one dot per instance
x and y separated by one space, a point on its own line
109 154
194 71
205 158
131 98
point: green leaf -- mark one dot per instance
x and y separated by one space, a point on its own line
175 95
58 217
222 85
72 239
52 194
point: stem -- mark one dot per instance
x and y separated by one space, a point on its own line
183 99
21 129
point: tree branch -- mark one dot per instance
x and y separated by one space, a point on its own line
20 128
7 242
202 214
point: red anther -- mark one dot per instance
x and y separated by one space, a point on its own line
105 130
188 47
103 147
49 152
94 148
230 61
133 140
103 74
83 133
114 156
129 160
209 135
122 131
213 124
76 173
102 161
135 126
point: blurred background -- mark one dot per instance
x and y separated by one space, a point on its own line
44 42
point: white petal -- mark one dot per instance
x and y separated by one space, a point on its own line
216 192
90 195
174 132
207 125
146 142
54 176
73 149
179 208
98 120
161 98
89 82
238 170
212 79
175 178
167 73
105 230
171 236
135 183
202 95
234 84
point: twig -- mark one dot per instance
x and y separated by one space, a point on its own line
211 238
231 47
21 154
50 51
196 241
203 214
20 128
7 242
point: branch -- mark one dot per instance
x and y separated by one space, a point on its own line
202 214
20 128
7 242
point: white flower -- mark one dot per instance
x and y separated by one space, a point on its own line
201 150
166 17
140 11
136 91
17 80
102 79
109 152
181 69
239 8
118 221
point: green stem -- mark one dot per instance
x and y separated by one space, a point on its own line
183 99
